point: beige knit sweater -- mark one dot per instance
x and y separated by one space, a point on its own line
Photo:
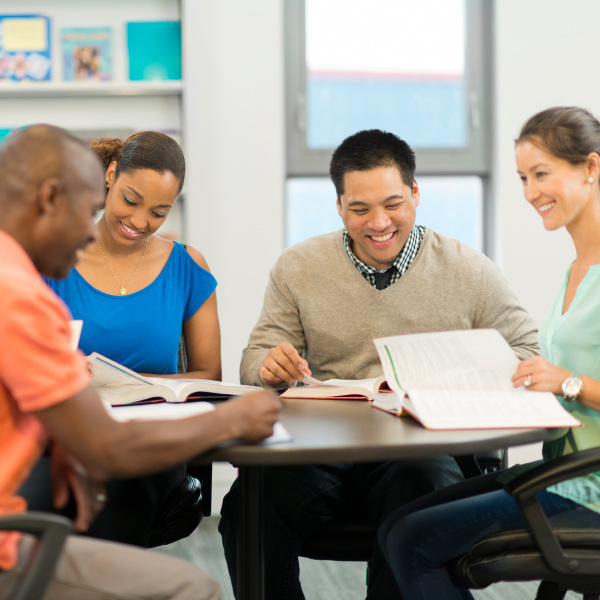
318 301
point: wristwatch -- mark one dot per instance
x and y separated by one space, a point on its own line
572 387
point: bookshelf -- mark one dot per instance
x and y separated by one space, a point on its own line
90 108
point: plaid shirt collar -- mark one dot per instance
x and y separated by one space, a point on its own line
400 265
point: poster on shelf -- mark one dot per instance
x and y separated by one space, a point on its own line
154 50
87 53
25 48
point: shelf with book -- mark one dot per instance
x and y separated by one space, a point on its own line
63 89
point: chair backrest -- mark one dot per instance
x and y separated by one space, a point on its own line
50 532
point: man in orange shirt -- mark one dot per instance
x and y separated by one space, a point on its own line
51 187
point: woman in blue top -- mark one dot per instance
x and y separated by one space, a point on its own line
136 293
558 161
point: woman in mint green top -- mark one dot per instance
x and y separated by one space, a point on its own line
572 339
558 161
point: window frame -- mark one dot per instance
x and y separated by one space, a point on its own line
474 159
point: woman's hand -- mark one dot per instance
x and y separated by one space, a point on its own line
539 375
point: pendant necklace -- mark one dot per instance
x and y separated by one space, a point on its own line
123 287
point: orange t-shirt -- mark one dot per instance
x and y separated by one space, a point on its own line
38 369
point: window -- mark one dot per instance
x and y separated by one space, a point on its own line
418 69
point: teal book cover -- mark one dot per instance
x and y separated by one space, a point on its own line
154 49
87 53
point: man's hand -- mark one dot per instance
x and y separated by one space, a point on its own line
283 364
68 474
252 416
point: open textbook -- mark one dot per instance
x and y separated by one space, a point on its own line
119 385
462 380
344 389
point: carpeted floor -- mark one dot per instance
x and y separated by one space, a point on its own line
321 580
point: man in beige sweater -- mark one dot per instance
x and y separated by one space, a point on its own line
326 300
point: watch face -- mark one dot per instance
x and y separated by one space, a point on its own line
572 386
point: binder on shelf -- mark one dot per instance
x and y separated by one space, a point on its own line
87 53
154 49
25 48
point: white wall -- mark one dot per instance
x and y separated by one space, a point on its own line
546 55
235 153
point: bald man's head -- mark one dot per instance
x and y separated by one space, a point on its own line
51 186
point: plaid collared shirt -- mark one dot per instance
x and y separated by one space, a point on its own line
400 265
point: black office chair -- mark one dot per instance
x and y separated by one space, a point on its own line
563 558
190 500
51 532
352 539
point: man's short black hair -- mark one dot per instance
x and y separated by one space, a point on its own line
368 150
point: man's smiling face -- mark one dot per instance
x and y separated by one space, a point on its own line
378 210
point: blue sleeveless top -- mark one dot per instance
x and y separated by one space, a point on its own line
140 330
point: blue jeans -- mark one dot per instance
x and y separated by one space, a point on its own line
300 501
419 539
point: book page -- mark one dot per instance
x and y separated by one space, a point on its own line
160 410
108 372
122 394
165 410
368 384
493 409
184 387
471 359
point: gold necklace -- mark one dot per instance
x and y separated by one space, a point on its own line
123 289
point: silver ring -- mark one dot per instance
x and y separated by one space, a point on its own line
527 382
101 497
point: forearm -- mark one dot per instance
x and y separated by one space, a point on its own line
109 449
252 358
141 447
279 321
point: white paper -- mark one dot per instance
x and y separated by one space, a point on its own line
75 325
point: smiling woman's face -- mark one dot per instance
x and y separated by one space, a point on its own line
556 189
138 203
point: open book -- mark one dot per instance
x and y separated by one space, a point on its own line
119 385
344 389
462 380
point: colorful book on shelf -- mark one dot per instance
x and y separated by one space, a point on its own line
154 50
462 380
87 53
25 49
118 385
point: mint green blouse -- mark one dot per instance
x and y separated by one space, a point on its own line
572 341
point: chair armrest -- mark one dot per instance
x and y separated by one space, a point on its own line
554 471
51 531
524 489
